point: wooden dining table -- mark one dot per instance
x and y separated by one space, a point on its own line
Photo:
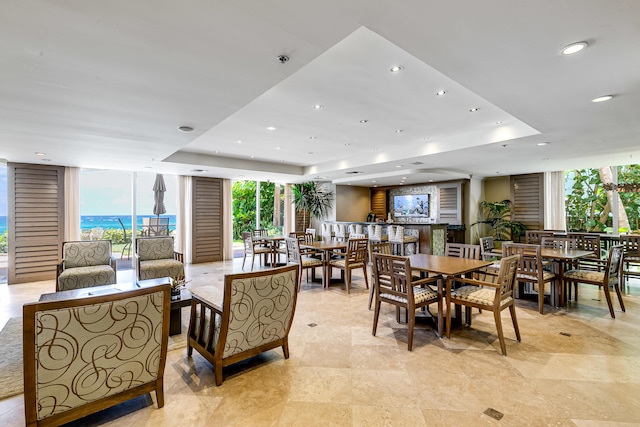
326 247
273 242
447 268
563 256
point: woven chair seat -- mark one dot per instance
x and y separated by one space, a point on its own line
477 295
588 275
310 262
419 295
342 263
546 275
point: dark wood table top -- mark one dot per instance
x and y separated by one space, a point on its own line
446 265
564 254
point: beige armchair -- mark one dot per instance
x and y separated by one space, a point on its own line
85 264
252 315
87 354
156 258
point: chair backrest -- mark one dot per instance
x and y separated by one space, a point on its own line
395 233
247 240
357 236
462 250
154 248
311 231
293 250
486 246
392 277
86 253
587 242
356 251
340 231
379 248
507 275
530 259
558 243
612 271
355 229
326 228
534 237
93 352
630 244
259 233
258 309
124 231
375 232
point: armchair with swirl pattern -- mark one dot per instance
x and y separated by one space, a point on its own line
253 315
156 258
85 264
87 354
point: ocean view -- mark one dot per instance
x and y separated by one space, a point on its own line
105 221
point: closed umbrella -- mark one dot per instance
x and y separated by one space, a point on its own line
158 190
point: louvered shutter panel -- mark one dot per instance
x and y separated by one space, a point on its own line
379 203
36 221
207 220
450 205
527 199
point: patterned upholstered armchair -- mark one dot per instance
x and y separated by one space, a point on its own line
85 264
156 258
252 315
86 354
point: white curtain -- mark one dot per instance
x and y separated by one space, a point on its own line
71 204
183 218
289 216
227 220
554 207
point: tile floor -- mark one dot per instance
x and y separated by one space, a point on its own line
574 367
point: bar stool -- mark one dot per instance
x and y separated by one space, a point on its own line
400 242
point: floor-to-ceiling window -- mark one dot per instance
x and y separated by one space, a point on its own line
3 224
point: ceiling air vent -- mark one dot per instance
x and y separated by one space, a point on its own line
352 172
417 163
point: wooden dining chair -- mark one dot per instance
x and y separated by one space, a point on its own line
376 248
534 237
354 258
493 296
530 270
462 250
486 249
394 285
608 278
294 256
630 256
253 248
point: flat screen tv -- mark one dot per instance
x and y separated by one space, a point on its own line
411 206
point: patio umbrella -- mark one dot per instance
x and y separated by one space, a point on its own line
158 190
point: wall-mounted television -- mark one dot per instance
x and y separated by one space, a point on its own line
411 206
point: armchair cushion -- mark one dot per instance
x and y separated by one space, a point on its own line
86 277
153 269
84 254
155 248
85 264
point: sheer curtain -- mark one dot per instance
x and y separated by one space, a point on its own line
227 220
183 217
288 211
554 207
71 204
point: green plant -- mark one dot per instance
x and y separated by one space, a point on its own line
3 242
312 198
497 216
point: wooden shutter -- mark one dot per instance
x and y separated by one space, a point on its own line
36 221
450 204
207 220
527 198
379 202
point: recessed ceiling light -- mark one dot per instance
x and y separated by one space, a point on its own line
398 166
239 142
499 122
376 185
399 130
313 137
375 149
317 107
252 156
602 98
277 148
270 128
473 110
198 170
364 121
185 129
374 181
430 180
441 92
426 138
402 183
397 68
542 143
38 153
404 177
573 48
347 145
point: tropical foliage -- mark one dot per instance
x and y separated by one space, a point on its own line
497 216
311 197
3 242
588 203
244 207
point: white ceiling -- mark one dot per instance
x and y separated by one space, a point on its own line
106 84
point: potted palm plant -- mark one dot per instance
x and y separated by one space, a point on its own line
497 216
312 200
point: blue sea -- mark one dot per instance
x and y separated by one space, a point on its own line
105 221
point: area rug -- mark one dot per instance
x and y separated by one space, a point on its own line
11 358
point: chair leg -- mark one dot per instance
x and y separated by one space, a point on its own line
376 315
514 319
348 280
617 288
366 280
160 392
285 347
411 321
541 297
218 373
607 294
503 346
243 260
371 291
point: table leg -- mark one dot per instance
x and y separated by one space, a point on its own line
175 321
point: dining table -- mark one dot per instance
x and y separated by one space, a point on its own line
272 242
448 268
326 247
